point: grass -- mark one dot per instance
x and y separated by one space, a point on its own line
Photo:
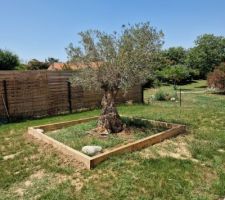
191 166
195 86
78 136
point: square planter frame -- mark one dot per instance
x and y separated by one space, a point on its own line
38 132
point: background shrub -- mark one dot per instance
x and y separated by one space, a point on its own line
8 60
160 95
216 79
165 96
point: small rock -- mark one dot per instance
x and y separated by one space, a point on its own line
129 102
12 156
20 191
105 133
9 157
28 183
221 150
91 150
39 130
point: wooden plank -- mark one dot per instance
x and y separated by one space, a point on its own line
55 126
91 162
60 147
140 144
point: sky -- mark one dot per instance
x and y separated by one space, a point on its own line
44 28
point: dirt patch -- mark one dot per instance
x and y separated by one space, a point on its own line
19 192
28 183
126 133
38 175
11 156
45 181
173 149
76 180
176 148
44 148
77 183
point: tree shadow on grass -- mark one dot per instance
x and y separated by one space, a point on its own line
203 86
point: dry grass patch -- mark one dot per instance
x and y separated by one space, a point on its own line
177 148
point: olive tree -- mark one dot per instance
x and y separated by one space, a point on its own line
122 60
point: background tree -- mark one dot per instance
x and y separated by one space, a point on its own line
8 60
208 52
172 68
35 64
175 74
51 60
123 60
175 55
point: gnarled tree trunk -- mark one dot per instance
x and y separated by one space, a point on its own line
110 119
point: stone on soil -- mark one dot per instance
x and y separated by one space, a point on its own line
91 150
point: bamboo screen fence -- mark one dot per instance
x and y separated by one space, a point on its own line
32 94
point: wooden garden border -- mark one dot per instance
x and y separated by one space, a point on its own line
90 162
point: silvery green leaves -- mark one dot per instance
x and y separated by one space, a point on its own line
116 61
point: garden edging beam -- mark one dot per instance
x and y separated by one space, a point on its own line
90 162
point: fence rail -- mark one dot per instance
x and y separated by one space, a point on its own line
44 93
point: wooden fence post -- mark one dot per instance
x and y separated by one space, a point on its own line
69 97
142 94
180 97
5 100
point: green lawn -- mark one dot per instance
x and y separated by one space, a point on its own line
190 166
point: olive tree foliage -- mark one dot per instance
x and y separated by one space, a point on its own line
122 60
